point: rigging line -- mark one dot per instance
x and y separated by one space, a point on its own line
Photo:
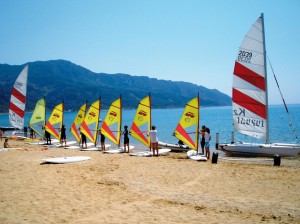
291 122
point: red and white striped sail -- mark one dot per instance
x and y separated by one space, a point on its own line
249 93
18 100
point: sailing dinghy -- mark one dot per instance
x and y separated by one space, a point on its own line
90 124
55 121
250 98
38 118
141 124
111 126
187 129
18 100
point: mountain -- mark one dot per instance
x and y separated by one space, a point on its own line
59 80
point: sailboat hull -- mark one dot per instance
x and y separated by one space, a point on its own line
269 150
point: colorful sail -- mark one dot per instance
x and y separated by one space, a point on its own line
18 100
55 121
188 126
38 118
78 121
142 122
249 93
111 127
89 126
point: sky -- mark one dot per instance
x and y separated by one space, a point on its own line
180 40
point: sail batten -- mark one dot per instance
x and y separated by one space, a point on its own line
18 100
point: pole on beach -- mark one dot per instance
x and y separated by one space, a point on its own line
217 141
232 137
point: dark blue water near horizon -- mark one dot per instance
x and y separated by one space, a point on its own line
218 119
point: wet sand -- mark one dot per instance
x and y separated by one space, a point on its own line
126 189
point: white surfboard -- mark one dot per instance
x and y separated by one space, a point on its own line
53 141
68 159
8 149
118 150
68 143
98 148
192 154
161 152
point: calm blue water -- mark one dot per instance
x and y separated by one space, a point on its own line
218 119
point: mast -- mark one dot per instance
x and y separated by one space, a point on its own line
197 128
120 121
266 79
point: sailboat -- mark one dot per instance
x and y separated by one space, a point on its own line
78 121
18 100
250 98
89 126
55 121
38 118
187 129
142 123
111 126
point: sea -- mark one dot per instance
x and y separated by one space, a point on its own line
218 119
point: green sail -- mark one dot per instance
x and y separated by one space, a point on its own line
37 120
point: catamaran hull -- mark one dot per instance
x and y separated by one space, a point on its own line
173 147
269 150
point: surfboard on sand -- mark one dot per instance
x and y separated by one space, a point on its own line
192 154
68 159
118 150
161 152
8 149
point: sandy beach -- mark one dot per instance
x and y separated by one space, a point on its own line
126 189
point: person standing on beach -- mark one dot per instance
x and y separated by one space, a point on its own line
126 138
102 140
48 138
6 145
83 141
207 138
202 143
153 140
63 135
1 134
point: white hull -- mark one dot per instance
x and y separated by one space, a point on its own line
173 147
282 149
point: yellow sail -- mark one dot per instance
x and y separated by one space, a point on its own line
188 126
111 127
78 121
142 121
55 121
38 118
89 126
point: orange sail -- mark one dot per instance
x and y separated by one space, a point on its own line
111 127
188 126
89 126
142 121
78 121
55 121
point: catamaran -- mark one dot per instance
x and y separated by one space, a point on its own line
18 100
38 118
89 126
250 98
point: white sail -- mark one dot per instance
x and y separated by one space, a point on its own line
249 92
18 100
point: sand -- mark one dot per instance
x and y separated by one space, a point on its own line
126 189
